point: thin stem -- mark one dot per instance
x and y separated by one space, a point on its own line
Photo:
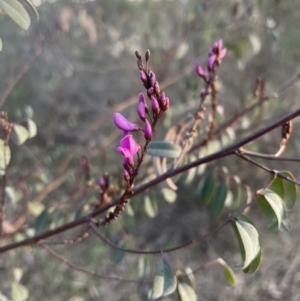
159 251
240 155
267 157
87 272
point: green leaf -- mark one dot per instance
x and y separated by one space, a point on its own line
254 265
118 255
207 189
36 208
21 132
219 200
19 292
32 128
164 149
129 210
10 194
164 281
186 276
17 12
191 173
143 267
286 190
1 45
41 222
248 240
5 156
186 292
272 205
150 207
18 273
228 272
33 8
169 195
238 193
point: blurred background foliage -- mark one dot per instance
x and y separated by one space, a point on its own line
76 67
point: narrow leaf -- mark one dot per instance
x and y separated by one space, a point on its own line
118 255
272 205
19 292
219 200
169 195
207 189
254 265
33 8
41 222
150 207
186 292
164 149
32 128
164 281
248 241
1 45
4 156
228 272
17 12
21 132
286 190
10 193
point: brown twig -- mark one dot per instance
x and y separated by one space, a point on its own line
220 154
245 158
87 272
158 251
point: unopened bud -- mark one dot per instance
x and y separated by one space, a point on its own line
126 175
198 69
152 78
138 55
150 92
156 88
147 55
166 105
162 100
143 76
155 105
147 130
211 61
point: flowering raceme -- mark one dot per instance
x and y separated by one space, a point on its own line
128 147
215 56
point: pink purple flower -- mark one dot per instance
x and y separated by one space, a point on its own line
123 124
128 147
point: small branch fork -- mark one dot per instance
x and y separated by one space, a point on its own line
230 150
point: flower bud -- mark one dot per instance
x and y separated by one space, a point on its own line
156 88
138 55
211 61
147 55
155 105
103 183
126 175
147 130
152 78
166 105
123 124
198 69
142 111
150 92
143 76
162 100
